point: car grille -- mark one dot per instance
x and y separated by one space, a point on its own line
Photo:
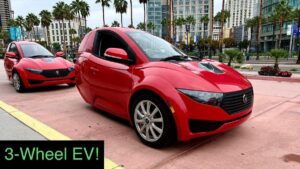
55 73
235 102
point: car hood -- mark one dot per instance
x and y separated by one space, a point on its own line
205 75
46 63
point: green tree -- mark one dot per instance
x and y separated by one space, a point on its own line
59 14
234 54
56 47
69 15
144 2
229 42
222 18
77 9
151 26
36 23
273 18
115 24
141 26
121 7
85 12
20 22
284 11
104 3
46 19
278 53
31 20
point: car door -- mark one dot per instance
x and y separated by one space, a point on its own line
9 62
111 81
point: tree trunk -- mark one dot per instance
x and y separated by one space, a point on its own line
71 40
274 30
222 27
34 34
121 20
259 29
280 33
37 33
79 30
257 42
131 17
103 16
276 66
85 25
46 34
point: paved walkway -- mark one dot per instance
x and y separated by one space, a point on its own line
13 129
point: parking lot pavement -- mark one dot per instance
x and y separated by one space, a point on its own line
13 129
269 139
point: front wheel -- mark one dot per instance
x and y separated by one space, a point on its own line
17 82
153 121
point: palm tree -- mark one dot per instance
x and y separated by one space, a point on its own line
85 11
273 18
151 26
121 7
69 15
115 24
259 28
59 14
77 8
141 26
20 22
144 2
205 19
28 25
296 15
46 19
104 3
30 21
36 23
283 10
251 23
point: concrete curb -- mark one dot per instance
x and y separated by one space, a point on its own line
273 78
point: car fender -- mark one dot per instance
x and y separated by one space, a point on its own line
20 70
170 95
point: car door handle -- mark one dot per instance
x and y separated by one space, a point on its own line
94 69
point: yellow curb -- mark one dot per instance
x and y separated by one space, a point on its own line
44 130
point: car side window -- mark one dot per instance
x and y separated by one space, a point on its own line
13 48
107 40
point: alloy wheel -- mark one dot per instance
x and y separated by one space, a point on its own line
148 120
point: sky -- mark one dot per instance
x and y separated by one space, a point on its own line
23 7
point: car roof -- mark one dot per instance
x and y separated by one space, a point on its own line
24 42
119 29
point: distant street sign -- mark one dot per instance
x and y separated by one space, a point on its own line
295 30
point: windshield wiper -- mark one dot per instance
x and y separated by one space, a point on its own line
175 57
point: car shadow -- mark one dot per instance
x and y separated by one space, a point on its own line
48 89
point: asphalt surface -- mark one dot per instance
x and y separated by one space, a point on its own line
269 139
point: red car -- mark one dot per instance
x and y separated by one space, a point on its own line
166 94
30 65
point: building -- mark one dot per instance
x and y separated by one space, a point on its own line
240 11
197 9
5 13
240 33
156 11
216 31
56 31
267 42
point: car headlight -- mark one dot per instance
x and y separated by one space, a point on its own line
211 98
36 71
71 68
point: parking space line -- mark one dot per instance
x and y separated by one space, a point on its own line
44 130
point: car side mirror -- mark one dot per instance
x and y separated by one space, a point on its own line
59 54
116 53
11 54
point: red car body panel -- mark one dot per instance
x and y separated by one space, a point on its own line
110 86
19 64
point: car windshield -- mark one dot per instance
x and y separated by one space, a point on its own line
154 47
35 50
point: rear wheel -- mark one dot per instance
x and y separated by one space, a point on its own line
17 82
153 121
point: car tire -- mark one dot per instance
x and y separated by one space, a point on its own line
156 120
71 84
17 83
